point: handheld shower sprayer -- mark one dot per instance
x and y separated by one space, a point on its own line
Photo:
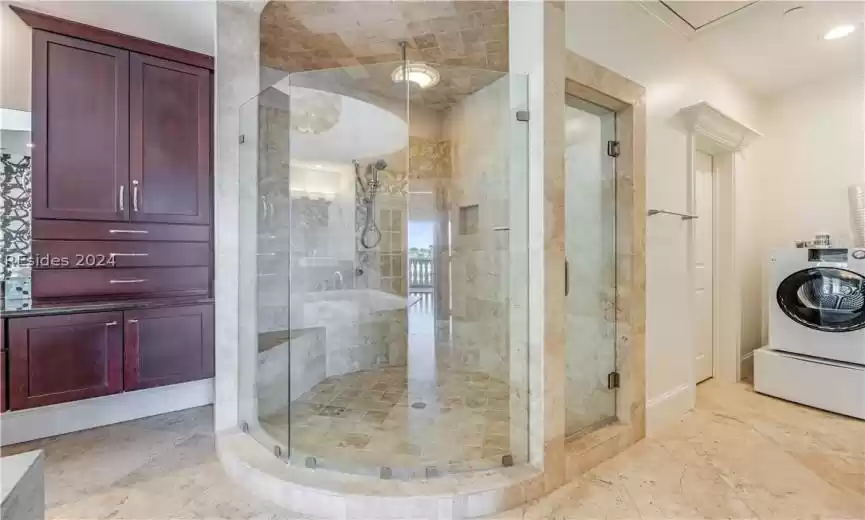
371 235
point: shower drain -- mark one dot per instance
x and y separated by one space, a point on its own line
418 405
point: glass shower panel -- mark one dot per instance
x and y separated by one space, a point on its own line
348 162
467 355
263 284
384 245
590 250
263 289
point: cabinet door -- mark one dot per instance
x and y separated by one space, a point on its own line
170 141
3 378
168 345
80 129
55 359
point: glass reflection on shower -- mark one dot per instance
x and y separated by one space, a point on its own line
389 340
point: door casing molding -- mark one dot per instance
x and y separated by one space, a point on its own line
711 131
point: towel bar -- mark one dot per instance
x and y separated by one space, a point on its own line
665 212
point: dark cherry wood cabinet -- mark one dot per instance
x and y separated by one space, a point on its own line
122 213
170 141
80 129
167 346
61 358
56 359
118 136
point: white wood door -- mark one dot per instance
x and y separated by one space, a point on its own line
704 268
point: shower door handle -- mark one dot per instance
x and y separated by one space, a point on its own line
567 278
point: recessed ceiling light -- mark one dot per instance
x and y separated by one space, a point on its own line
418 73
839 32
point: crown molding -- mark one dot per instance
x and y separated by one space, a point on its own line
722 130
44 22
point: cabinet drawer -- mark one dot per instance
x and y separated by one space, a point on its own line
66 283
76 254
57 359
79 230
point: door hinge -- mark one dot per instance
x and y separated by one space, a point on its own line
613 148
613 380
241 139
522 115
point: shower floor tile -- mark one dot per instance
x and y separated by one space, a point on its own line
364 421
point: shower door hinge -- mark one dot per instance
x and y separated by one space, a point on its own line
241 139
613 380
613 148
522 115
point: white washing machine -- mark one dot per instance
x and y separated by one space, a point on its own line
816 351
818 305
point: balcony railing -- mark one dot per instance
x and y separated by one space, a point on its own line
420 273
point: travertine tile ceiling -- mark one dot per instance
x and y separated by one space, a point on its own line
467 41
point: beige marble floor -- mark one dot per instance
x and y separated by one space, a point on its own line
738 455
366 421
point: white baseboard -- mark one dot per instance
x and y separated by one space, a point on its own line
668 408
746 367
47 421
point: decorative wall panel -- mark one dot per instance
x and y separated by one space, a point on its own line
15 215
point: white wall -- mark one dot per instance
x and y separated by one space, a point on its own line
623 37
15 61
810 153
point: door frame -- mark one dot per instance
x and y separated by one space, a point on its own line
711 131
588 81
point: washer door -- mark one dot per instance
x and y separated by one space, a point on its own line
824 298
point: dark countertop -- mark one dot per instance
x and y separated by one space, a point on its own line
52 307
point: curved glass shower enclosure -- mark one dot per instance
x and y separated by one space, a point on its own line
384 265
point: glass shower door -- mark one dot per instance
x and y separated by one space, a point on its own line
590 250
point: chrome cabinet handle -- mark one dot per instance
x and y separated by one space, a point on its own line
111 324
130 254
136 231
137 280
132 321
135 191
121 197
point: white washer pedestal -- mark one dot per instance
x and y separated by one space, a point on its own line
829 385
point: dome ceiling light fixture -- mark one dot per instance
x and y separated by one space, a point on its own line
418 73
314 111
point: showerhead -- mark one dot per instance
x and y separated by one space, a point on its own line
380 164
